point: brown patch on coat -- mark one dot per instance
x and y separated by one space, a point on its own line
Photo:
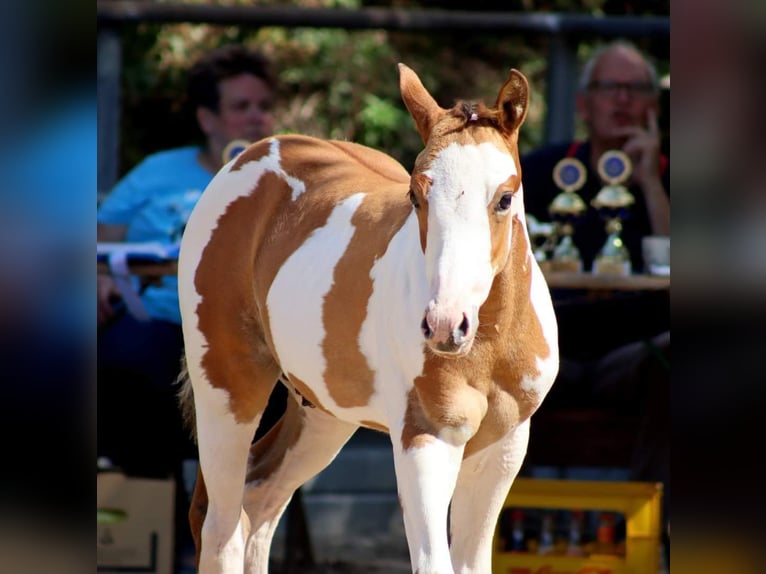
267 454
332 172
252 153
197 513
237 358
418 431
374 426
347 375
420 185
499 225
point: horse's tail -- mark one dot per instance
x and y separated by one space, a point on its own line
186 400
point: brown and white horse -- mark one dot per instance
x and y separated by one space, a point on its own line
408 304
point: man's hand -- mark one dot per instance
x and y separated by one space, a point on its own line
643 148
107 293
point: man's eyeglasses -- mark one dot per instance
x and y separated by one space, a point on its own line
610 88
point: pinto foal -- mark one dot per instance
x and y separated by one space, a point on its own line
408 304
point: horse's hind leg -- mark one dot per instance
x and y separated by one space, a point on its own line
229 402
301 444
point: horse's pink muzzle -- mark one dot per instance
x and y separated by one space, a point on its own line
448 332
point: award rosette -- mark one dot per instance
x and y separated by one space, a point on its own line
233 149
569 174
614 167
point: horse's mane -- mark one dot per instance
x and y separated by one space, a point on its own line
476 112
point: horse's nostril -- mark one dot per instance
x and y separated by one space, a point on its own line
463 328
427 333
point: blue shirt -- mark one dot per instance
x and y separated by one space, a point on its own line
155 200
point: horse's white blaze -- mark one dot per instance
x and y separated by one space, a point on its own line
458 253
296 300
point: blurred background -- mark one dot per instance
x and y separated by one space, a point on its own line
342 83
338 75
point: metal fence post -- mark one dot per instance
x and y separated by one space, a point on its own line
562 87
109 66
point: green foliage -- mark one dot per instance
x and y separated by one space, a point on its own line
335 83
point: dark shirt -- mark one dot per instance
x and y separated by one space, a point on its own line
589 233
588 326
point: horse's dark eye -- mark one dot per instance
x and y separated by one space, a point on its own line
414 199
505 203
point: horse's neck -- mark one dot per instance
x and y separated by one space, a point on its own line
509 298
401 288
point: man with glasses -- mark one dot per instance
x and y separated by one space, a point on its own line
615 351
618 101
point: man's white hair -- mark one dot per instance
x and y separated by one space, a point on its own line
587 71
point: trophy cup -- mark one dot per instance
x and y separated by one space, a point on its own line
565 209
542 237
612 203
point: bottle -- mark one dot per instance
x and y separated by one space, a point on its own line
546 535
516 541
605 534
574 544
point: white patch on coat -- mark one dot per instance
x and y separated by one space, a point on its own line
390 338
457 435
295 304
426 477
484 481
539 296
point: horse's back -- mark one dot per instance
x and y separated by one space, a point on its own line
281 189
327 166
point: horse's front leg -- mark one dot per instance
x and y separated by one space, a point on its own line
482 486
426 471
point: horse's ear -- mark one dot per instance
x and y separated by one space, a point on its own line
422 107
513 100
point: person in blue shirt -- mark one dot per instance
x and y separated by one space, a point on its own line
140 430
232 91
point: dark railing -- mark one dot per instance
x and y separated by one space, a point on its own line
120 11
563 29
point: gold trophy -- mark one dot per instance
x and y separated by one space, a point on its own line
565 209
612 203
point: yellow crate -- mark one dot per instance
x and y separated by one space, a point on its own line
639 502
